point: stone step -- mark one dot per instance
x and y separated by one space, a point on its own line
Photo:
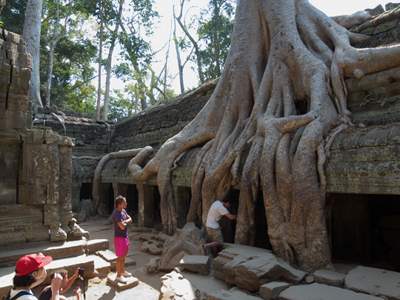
374 281
69 264
318 291
232 294
8 257
101 266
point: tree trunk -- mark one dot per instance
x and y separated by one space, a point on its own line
194 43
281 96
100 58
178 58
109 61
31 35
50 63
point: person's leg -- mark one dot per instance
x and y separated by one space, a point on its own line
118 267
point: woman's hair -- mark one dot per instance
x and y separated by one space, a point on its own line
23 281
119 200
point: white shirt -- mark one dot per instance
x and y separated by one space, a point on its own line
215 213
25 297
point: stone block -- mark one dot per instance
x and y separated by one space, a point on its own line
374 281
175 286
196 264
107 255
131 282
250 267
271 290
101 266
329 277
232 294
318 291
96 245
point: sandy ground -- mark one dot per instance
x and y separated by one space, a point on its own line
150 285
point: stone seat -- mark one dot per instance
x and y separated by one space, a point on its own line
69 264
9 255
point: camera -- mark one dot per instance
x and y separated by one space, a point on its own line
81 272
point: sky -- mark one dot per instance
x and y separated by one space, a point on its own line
163 26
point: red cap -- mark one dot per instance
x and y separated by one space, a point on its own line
31 263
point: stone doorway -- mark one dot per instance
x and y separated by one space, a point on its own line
365 229
183 196
133 201
85 191
261 235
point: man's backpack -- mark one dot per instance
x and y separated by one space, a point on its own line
20 294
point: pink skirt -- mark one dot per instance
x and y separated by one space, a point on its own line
121 246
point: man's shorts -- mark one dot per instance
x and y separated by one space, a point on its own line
121 246
214 235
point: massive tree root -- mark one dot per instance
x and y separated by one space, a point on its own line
282 94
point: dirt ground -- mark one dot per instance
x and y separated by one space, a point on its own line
149 287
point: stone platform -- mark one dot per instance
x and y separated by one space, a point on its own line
67 256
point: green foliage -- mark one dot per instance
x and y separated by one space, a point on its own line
13 15
214 31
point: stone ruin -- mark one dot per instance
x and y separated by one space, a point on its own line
48 172
362 169
35 163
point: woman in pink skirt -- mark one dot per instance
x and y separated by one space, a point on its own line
121 241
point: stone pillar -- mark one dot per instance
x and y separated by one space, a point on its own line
146 205
65 194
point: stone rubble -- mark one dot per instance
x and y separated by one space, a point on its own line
329 277
271 290
196 264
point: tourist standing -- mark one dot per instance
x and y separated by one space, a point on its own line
121 220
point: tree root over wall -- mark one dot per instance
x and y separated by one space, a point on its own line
278 105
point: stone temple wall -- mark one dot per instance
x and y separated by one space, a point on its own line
35 163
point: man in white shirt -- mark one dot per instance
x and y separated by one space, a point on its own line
217 210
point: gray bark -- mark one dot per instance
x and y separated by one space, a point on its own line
109 61
278 105
100 58
31 34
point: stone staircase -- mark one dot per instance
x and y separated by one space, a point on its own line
21 223
67 256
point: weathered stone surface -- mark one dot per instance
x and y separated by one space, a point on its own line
318 291
131 282
249 267
107 255
186 241
70 264
101 266
391 5
374 281
271 290
175 286
8 257
152 265
152 247
96 245
232 294
196 264
329 277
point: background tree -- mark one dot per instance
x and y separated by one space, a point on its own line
214 31
31 34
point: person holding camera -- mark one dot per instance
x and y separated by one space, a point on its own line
30 273
66 284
